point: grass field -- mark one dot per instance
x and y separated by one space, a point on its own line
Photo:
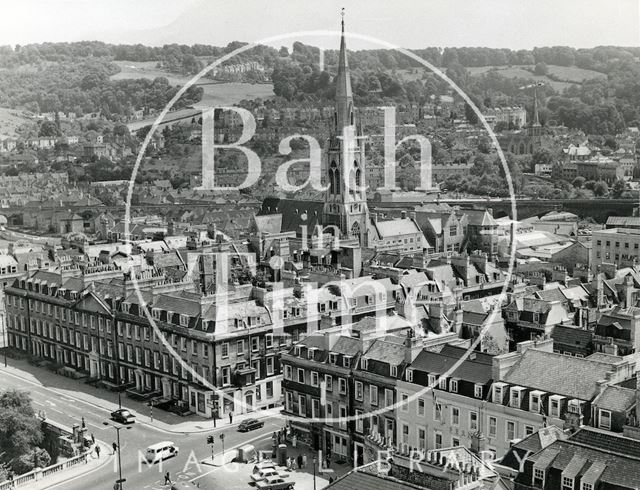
215 94
570 75
10 119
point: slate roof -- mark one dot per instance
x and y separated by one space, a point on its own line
295 213
608 441
602 357
384 351
570 335
554 294
531 445
477 371
361 480
176 304
568 376
473 318
613 459
347 346
616 399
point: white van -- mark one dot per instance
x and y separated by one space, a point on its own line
161 451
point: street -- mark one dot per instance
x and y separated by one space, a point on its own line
65 409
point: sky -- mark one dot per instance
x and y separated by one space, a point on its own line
515 24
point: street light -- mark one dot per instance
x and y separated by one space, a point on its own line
120 480
315 461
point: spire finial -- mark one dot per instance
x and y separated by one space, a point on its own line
342 15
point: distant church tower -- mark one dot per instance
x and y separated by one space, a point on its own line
535 129
345 204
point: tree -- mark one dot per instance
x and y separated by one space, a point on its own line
541 69
470 114
618 188
48 128
600 188
578 182
20 430
284 52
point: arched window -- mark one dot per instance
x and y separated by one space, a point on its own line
358 179
522 150
338 186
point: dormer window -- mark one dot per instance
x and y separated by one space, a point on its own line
125 307
535 398
333 358
155 312
394 371
516 396
410 375
442 383
477 391
431 378
538 477
498 392
453 386
554 405
310 353
184 320
575 406
364 364
346 361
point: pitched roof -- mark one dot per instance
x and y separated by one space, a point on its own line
616 399
295 213
552 372
269 223
396 227
177 304
571 335
384 351
362 480
608 441
476 370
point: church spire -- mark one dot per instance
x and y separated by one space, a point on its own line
344 95
536 117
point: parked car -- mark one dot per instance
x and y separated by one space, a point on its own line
250 424
183 485
263 465
161 451
275 483
123 416
268 473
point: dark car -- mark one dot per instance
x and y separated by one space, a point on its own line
123 416
250 424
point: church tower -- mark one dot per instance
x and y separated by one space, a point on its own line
535 129
345 204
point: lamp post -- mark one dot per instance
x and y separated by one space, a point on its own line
120 480
315 461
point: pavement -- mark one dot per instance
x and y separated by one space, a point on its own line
61 478
68 401
102 399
